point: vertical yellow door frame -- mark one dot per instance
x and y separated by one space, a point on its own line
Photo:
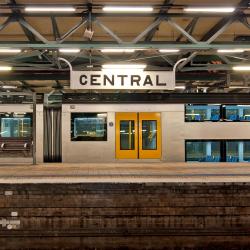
126 154
152 153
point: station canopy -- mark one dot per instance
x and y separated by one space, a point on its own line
213 36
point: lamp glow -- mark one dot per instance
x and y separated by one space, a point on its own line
169 50
124 66
69 50
7 50
127 9
242 68
118 50
210 9
230 50
180 87
49 9
5 68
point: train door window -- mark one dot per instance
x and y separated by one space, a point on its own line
127 135
138 135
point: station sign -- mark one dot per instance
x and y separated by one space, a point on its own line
126 80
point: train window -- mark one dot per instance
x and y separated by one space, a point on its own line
203 151
199 113
127 135
16 125
149 135
88 126
236 112
237 151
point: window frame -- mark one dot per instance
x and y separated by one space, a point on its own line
218 105
222 112
223 146
80 115
12 115
204 140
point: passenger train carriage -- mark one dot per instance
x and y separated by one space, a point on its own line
126 132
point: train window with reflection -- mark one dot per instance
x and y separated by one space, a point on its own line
238 151
88 126
203 151
236 112
16 125
199 113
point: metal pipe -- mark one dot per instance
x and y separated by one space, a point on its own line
34 130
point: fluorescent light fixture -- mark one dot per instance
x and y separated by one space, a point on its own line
242 68
118 50
49 9
230 50
180 87
8 50
69 50
5 68
239 87
169 50
9 87
127 9
124 66
210 9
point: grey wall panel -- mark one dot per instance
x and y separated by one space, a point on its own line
174 132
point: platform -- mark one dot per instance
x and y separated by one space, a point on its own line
125 172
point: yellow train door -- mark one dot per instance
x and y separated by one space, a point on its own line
126 136
138 135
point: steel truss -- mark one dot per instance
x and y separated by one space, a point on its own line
43 55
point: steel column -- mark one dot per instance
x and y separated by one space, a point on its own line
34 129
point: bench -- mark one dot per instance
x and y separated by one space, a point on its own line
15 144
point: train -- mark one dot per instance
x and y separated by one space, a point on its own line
125 132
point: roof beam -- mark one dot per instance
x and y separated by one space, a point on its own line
151 34
147 30
109 31
104 44
189 28
55 28
33 31
219 27
72 30
6 23
19 16
180 29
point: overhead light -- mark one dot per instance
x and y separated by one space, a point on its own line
210 9
180 87
124 66
169 50
9 87
230 50
7 50
239 87
69 50
5 68
127 9
49 9
118 50
242 68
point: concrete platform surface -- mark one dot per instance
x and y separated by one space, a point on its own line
125 172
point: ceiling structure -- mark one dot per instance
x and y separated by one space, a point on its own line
197 36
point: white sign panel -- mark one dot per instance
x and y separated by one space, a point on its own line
134 80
